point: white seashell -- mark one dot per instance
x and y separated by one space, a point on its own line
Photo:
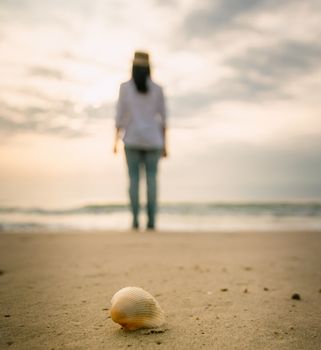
134 308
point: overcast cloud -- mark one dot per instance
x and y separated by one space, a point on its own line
260 69
244 74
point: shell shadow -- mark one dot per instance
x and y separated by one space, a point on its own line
124 333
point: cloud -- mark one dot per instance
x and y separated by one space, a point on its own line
171 3
283 60
190 105
212 17
60 117
259 74
262 73
7 125
34 120
223 14
46 72
262 57
256 73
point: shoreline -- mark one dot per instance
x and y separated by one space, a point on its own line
183 217
218 290
42 231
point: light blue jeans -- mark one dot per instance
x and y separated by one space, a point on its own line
136 160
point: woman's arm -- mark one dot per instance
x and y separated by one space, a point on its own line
165 153
120 115
117 137
163 114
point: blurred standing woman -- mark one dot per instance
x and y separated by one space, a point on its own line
141 119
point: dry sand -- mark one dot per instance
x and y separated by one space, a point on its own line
219 291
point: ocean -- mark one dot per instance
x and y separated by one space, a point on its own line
184 217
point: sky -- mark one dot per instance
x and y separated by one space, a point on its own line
242 80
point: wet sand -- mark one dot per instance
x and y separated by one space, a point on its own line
218 291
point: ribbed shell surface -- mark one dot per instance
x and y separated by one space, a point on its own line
134 308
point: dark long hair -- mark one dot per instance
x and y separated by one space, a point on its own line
140 75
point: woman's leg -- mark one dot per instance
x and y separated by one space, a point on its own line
151 163
133 157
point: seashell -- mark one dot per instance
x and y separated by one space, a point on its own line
134 308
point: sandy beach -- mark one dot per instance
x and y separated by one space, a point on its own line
218 291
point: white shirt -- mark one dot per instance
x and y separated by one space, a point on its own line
141 116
